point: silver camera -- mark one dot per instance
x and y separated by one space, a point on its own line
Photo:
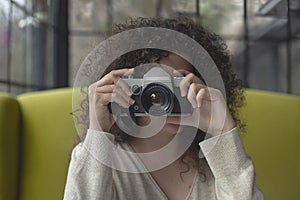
156 94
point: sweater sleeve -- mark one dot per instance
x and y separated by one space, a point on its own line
231 166
87 177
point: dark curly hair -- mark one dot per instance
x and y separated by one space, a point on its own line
211 42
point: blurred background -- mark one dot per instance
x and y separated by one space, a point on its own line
43 42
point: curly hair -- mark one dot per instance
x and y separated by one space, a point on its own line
211 42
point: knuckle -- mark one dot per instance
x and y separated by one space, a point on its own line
114 71
113 96
198 97
112 87
185 82
217 92
91 86
110 75
191 74
102 101
119 83
190 97
181 84
91 90
193 86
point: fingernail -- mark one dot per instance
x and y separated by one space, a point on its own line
198 104
193 104
131 101
129 93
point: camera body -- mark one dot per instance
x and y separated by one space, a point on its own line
156 94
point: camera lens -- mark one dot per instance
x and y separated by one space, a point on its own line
157 99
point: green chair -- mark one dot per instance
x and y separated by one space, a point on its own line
9 146
48 136
37 135
272 140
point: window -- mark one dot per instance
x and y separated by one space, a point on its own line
30 33
262 35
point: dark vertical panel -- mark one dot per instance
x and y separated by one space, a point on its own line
39 34
158 7
246 60
109 14
9 47
288 50
61 43
198 8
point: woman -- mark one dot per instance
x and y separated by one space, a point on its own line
225 172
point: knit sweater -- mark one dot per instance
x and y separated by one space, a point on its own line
229 173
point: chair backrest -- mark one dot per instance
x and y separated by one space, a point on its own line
48 137
9 148
272 140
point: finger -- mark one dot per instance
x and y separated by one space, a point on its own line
185 83
105 98
121 84
212 94
181 72
92 89
191 95
114 76
200 96
105 88
183 86
120 100
188 79
111 79
111 88
123 72
195 79
114 89
125 97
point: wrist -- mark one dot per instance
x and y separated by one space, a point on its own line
229 124
97 127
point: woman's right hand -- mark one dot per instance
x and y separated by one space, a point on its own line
110 88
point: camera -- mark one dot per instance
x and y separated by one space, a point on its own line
156 94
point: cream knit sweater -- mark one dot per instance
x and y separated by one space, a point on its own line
229 176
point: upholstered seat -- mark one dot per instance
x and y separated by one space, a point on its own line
37 135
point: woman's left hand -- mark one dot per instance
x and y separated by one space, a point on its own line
210 112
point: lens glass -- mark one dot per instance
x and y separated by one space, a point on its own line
157 99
